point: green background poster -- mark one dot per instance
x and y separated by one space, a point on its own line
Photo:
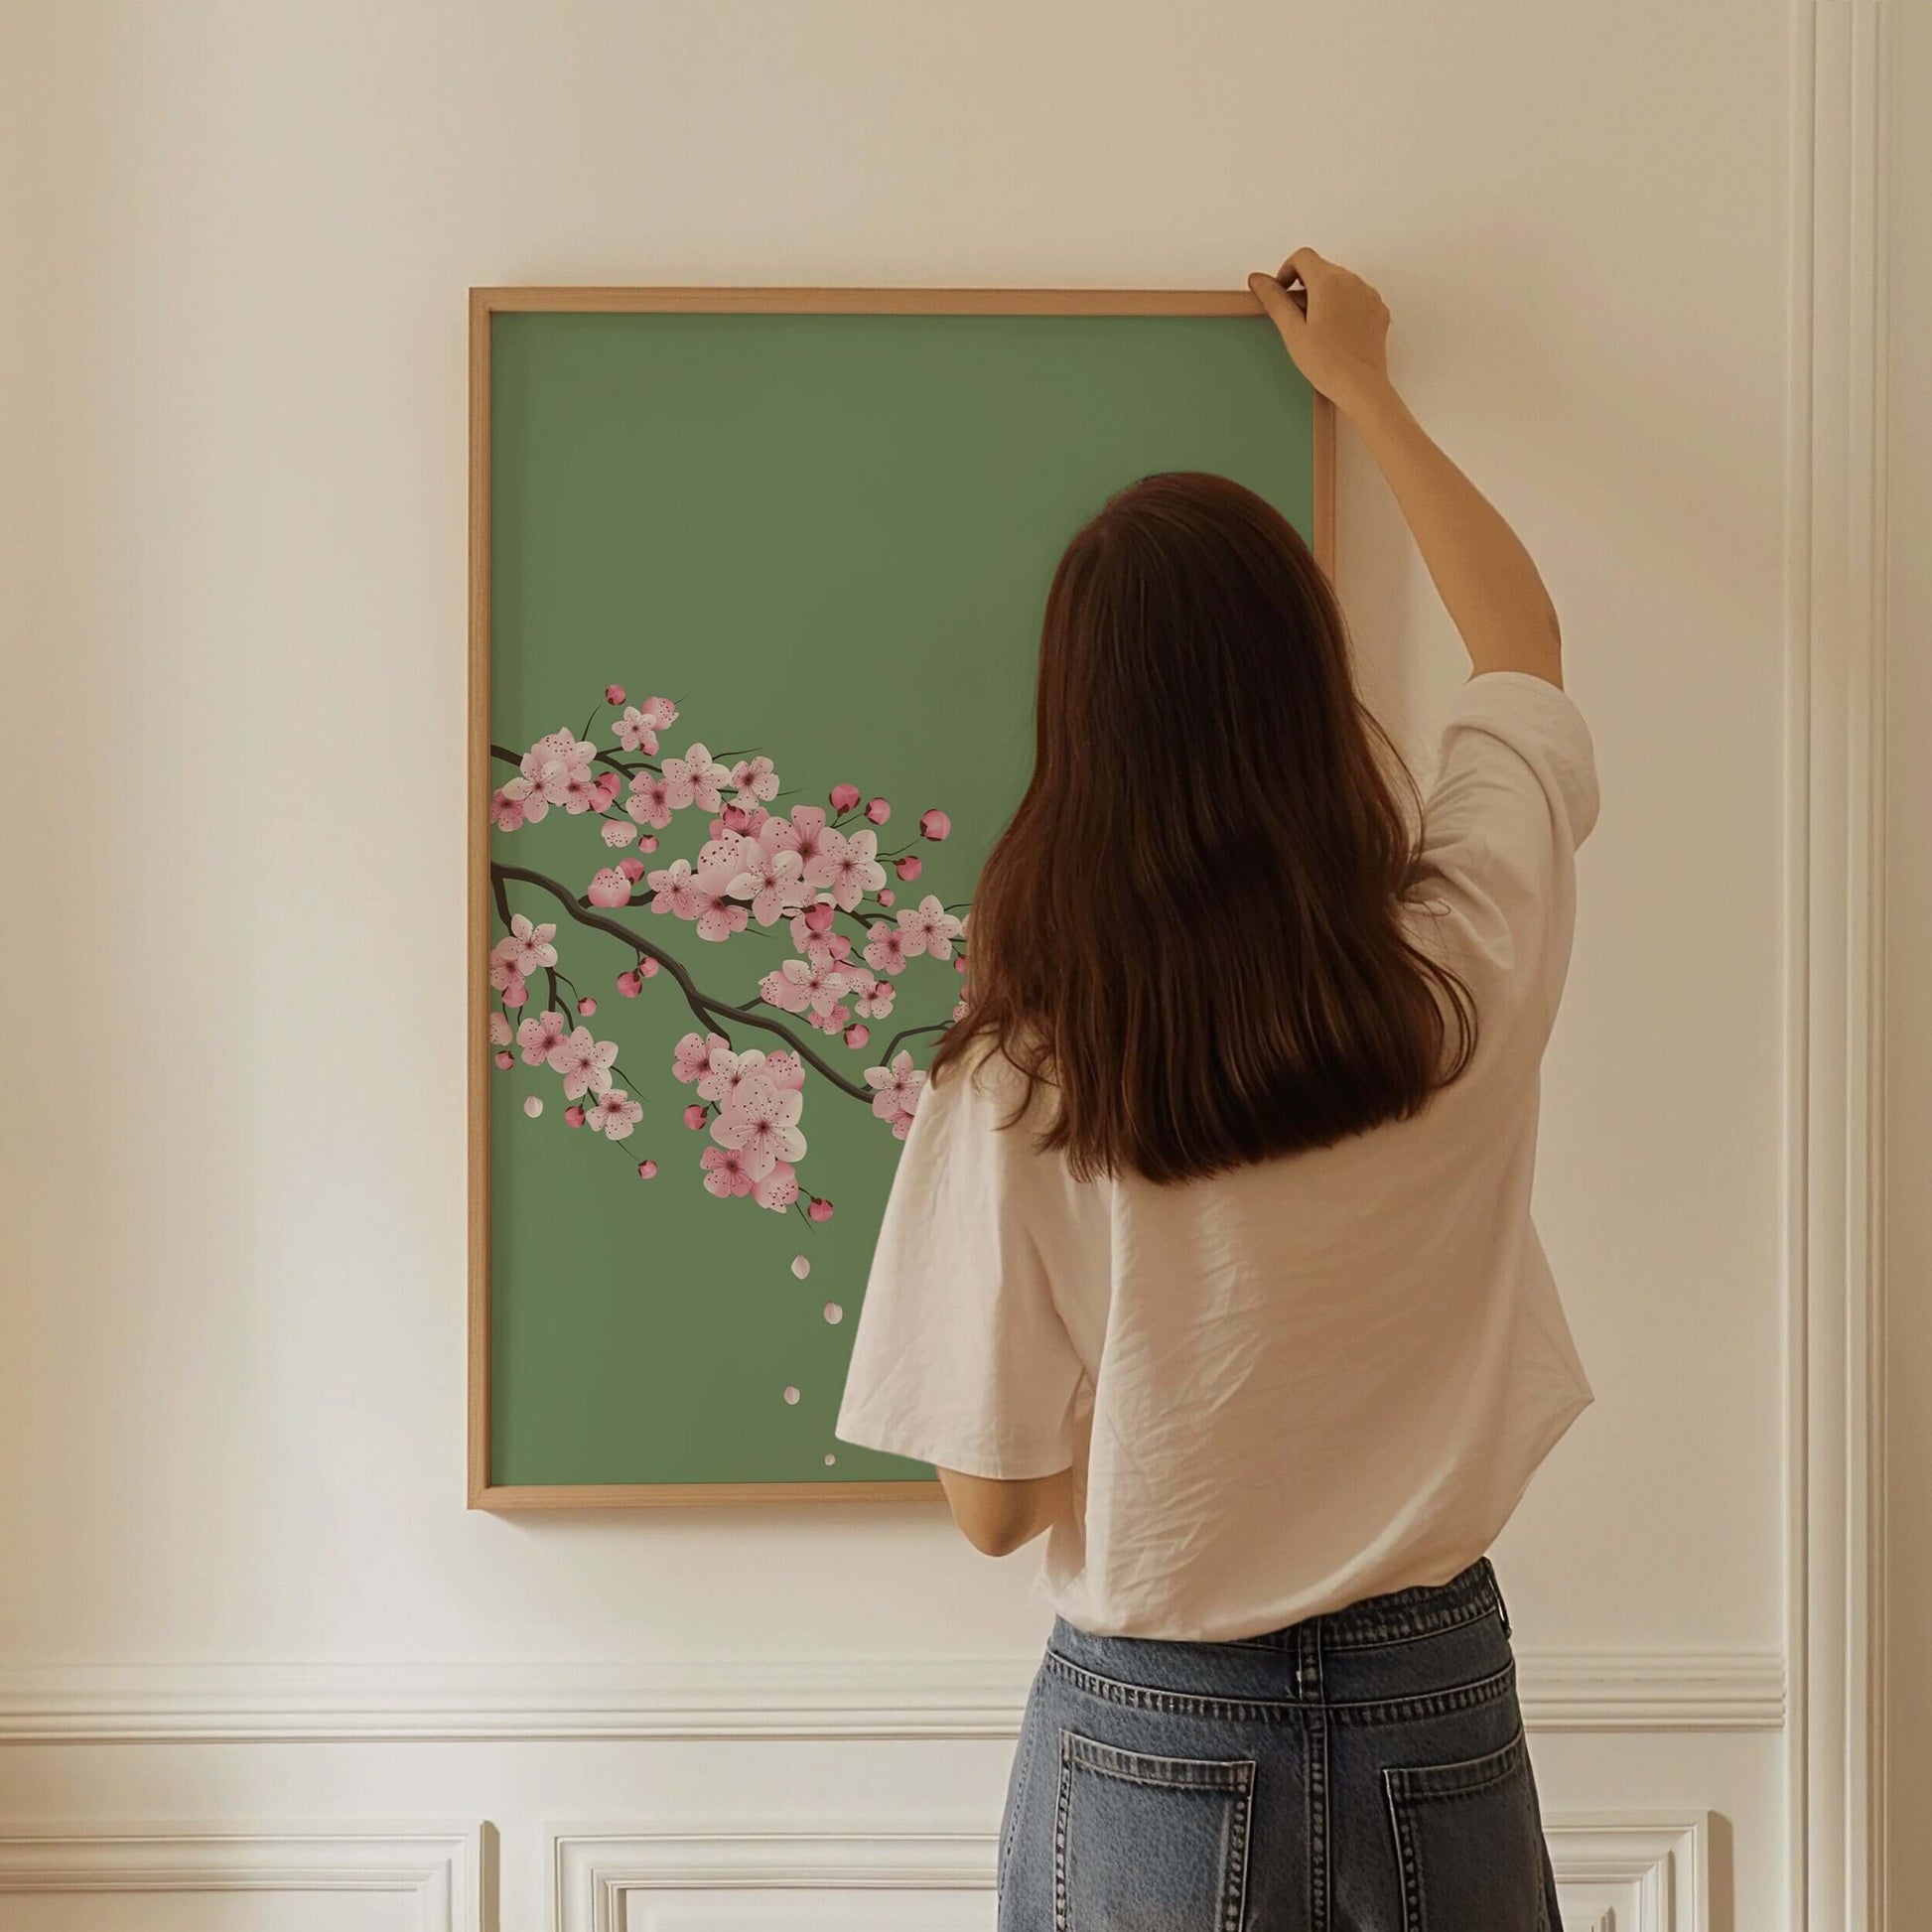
827 539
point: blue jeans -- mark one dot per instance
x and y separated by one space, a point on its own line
1361 1772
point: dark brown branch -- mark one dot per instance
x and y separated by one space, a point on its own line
703 1004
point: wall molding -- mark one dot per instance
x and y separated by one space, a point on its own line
900 1698
1837 410
1618 1872
438 1867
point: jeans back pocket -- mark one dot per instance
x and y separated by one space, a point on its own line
1469 1842
1150 1844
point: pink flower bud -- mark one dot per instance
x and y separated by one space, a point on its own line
910 867
647 1170
819 1211
614 694
959 962
574 1116
879 811
818 918
855 1036
647 967
586 1006
629 985
838 946
695 1115
632 869
606 785
647 842
736 819
504 1060
934 825
844 798
886 896
609 887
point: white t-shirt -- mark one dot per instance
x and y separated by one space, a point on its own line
1307 1381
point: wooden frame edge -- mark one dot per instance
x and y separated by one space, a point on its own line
485 303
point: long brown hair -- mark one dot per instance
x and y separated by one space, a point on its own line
1190 929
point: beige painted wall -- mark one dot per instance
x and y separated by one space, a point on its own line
231 586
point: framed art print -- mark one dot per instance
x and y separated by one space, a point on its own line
756 578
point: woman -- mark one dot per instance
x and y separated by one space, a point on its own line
1209 1252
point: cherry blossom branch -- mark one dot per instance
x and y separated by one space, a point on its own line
703 1005
910 1032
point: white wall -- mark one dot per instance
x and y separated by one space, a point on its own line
232 579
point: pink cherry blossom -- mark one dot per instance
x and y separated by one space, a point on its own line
787 986
509 988
614 694
499 1030
778 1190
676 893
635 731
659 712
878 811
755 781
875 1000
760 1119
697 777
691 1058
554 763
910 867
788 1069
934 825
886 948
584 1063
525 948
929 928
726 1069
540 1036
609 888
895 1095
833 1019
506 808
719 918
805 834
650 801
617 831
725 1174
848 866
614 1114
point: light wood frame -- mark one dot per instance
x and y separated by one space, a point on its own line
485 303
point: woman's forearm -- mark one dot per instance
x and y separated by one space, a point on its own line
1480 569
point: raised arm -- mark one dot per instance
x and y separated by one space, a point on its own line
1335 326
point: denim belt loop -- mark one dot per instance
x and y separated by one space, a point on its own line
1502 1608
1308 1659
